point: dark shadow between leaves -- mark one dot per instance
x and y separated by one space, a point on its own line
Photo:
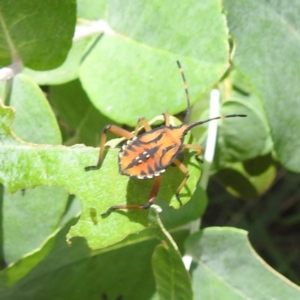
258 165
72 271
238 184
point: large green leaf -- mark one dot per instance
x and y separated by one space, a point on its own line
39 33
25 165
127 268
92 10
138 61
226 267
29 216
267 55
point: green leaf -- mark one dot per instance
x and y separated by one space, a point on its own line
39 33
135 70
118 225
63 166
267 55
172 279
226 267
34 122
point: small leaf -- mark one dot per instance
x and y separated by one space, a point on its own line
249 179
172 279
241 138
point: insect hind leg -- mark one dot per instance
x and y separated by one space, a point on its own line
152 198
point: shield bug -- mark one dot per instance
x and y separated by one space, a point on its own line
149 154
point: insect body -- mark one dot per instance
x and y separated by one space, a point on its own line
148 155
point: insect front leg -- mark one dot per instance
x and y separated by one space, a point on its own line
185 171
115 130
152 197
197 147
141 121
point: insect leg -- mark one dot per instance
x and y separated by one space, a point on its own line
115 130
151 200
154 192
167 118
141 121
197 147
185 171
146 125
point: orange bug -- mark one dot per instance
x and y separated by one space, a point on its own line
148 155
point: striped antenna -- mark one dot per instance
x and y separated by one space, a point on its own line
216 118
186 93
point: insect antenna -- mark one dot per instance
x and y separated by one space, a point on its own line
187 115
211 119
186 118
